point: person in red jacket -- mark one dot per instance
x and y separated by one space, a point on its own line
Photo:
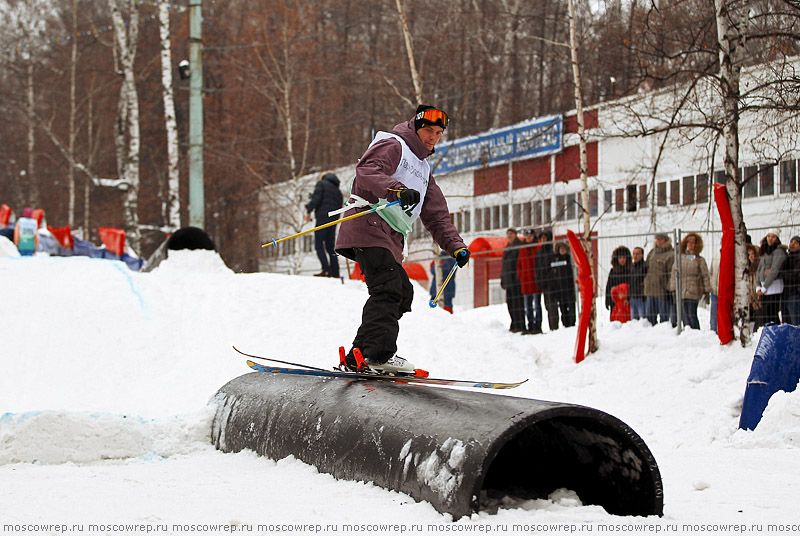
394 167
531 295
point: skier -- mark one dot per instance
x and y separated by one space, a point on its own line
394 167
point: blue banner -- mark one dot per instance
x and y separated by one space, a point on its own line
537 137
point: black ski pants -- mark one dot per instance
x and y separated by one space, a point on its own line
390 296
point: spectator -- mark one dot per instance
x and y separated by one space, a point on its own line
755 298
449 291
326 197
660 303
713 296
695 281
531 295
509 280
562 288
26 233
636 297
621 311
791 284
769 280
620 273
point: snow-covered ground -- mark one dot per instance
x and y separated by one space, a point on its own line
106 376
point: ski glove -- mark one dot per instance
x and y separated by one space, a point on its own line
408 197
462 257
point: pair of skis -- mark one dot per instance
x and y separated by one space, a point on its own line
308 370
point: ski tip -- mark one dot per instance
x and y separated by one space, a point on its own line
419 373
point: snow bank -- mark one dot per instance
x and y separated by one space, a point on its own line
54 437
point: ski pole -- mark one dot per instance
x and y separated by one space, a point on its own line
435 300
274 242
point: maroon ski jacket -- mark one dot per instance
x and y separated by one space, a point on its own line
374 180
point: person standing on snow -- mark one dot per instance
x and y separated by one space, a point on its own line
326 197
509 281
769 278
531 295
394 167
695 279
660 301
26 233
620 273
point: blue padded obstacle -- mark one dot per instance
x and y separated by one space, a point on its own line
776 367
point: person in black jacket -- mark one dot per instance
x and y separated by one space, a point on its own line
791 281
326 197
636 297
563 288
620 273
509 280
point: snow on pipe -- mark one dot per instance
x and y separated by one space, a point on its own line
459 450
183 238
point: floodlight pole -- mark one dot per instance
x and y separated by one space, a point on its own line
196 186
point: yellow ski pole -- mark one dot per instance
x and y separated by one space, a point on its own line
274 242
434 301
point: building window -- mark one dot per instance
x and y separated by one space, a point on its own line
789 177
719 177
643 202
631 201
547 212
661 199
701 188
572 207
560 207
688 190
766 180
537 213
479 219
592 203
608 199
487 219
517 215
467 221
619 199
675 192
527 217
503 217
750 179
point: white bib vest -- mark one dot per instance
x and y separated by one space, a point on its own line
413 173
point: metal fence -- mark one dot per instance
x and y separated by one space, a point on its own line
604 246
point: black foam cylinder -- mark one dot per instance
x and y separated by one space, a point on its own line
459 450
184 238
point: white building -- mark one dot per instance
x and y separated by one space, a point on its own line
641 181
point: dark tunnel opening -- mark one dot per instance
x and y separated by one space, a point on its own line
600 463
190 238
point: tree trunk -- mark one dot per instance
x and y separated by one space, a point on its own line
126 130
412 65
72 108
32 195
587 227
171 198
730 51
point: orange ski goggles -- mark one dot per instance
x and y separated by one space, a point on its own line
434 116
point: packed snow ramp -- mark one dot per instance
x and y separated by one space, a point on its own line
462 451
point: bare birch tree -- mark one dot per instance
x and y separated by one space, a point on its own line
171 197
586 242
126 129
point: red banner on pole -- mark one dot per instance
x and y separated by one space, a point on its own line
113 239
726 273
586 288
63 235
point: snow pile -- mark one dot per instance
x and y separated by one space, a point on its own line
53 437
7 248
106 375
